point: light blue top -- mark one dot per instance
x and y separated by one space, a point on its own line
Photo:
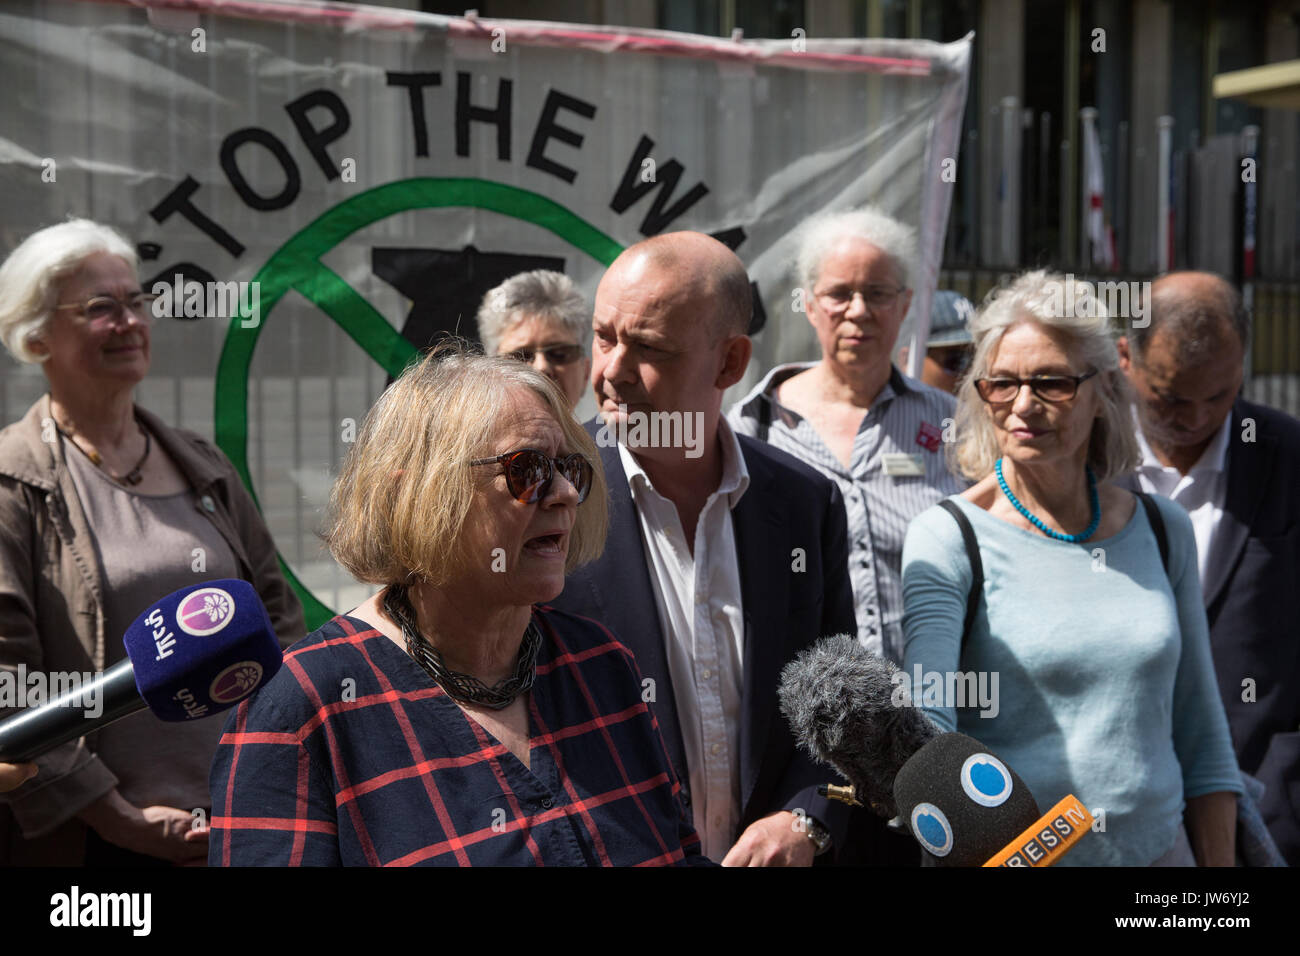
1106 688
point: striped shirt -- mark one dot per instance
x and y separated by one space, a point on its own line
351 755
901 432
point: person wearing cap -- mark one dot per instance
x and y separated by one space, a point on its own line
854 416
948 347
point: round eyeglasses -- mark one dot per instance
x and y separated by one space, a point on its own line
105 309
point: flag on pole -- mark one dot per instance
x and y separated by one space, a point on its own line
1101 238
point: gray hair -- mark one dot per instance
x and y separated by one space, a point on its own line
1039 297
541 293
1195 320
822 233
30 277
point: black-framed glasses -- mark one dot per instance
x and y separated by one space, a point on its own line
839 298
529 473
555 354
103 309
1050 388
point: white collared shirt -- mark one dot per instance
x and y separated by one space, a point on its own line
1202 491
700 608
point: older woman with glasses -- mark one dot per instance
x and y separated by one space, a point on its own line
103 510
455 719
1098 642
540 318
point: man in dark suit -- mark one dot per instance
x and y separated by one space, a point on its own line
1235 466
724 558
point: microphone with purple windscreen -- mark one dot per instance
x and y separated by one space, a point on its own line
196 652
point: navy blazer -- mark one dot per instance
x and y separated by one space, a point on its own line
1252 603
787 505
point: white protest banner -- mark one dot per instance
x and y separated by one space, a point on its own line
374 171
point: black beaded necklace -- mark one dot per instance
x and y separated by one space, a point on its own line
464 688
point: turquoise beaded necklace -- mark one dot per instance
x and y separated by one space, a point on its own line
1093 501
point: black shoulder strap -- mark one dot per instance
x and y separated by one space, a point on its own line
764 417
976 565
1157 525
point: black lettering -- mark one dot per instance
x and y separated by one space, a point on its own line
632 188
188 271
317 139
415 84
292 180
499 116
548 129
731 238
178 201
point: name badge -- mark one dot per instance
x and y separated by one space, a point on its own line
902 465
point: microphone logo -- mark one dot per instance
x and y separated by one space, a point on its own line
986 780
205 611
932 829
236 682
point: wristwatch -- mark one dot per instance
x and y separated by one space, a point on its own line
820 836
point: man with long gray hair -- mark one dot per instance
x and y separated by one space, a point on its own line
1235 466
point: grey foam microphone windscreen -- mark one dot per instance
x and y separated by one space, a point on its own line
840 700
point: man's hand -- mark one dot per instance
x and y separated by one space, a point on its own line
14 775
164 832
775 840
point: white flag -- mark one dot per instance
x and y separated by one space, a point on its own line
1100 238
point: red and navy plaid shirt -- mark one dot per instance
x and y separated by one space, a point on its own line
352 755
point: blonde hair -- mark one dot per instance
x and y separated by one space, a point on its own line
1041 297
30 277
401 502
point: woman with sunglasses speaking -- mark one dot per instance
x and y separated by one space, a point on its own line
454 719
103 510
1082 659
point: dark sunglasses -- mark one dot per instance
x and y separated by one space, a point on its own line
1050 388
529 473
555 354
954 361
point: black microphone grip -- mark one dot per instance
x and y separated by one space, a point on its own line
36 730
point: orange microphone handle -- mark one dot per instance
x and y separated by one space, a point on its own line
1049 839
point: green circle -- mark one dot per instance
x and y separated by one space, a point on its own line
296 265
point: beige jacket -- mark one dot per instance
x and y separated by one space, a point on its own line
51 607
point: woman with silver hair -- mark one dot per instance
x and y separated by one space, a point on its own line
1105 687
103 509
540 318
